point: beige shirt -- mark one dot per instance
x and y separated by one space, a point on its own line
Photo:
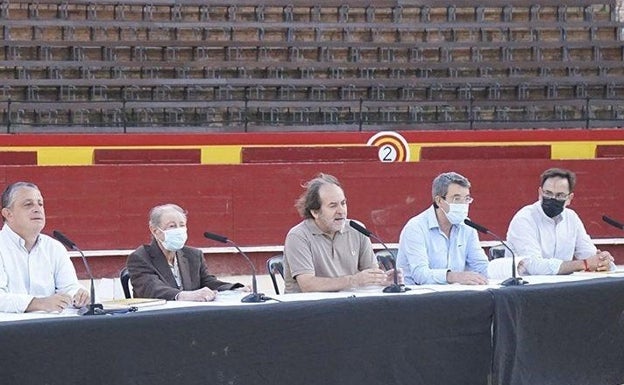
307 250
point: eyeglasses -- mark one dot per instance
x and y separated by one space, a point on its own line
459 199
557 196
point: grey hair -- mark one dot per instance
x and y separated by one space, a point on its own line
8 196
442 182
157 212
310 200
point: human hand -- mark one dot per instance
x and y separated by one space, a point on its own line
200 295
522 268
54 303
370 277
466 278
81 298
246 289
600 262
390 276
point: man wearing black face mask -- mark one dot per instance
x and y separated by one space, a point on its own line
550 238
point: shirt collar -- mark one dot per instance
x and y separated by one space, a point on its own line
16 239
431 218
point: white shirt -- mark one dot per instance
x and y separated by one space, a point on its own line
44 271
547 242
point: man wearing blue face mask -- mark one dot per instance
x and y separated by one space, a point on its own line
436 247
550 238
168 269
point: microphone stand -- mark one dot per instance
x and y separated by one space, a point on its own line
513 280
394 287
254 297
92 308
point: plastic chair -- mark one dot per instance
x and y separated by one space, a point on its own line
385 259
124 277
275 265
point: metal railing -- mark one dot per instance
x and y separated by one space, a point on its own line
244 115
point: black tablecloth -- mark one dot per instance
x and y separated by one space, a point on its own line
442 338
560 334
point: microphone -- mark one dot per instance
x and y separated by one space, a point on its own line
254 296
93 308
513 281
613 222
395 287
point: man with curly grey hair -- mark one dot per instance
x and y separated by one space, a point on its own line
323 253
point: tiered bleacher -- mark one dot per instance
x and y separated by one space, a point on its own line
238 65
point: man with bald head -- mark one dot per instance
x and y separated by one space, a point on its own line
36 273
323 253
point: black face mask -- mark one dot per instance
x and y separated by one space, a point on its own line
552 207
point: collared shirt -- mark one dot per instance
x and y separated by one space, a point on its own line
175 270
44 271
547 242
426 253
307 250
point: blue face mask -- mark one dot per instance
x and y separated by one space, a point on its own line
174 238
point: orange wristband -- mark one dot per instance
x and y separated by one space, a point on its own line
586 266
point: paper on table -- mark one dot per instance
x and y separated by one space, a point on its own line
136 302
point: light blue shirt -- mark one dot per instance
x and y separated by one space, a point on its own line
426 254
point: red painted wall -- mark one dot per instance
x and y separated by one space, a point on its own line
106 206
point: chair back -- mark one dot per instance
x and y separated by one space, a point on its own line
385 259
124 277
497 251
275 265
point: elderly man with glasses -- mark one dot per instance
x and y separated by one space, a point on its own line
436 247
548 237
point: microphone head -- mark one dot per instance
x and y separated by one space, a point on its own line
359 228
216 237
63 239
613 222
475 226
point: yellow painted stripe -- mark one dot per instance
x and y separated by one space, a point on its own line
231 154
579 150
221 154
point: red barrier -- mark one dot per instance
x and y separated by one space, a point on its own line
484 152
609 151
147 156
106 206
18 157
308 154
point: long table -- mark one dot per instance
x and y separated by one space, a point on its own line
550 333
441 338
563 333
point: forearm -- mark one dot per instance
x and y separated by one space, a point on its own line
14 303
569 267
310 283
